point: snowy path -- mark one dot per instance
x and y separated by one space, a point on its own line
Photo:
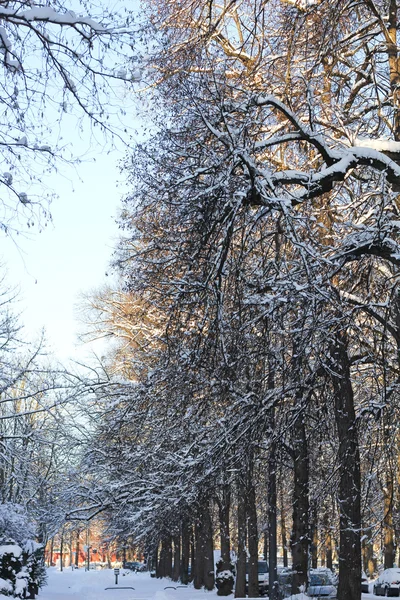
83 585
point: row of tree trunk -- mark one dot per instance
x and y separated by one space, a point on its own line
192 546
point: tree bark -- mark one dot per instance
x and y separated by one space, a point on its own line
224 584
177 558
208 576
198 575
388 541
300 539
184 573
78 533
240 586
252 544
273 591
167 544
51 551
192 552
369 562
349 472
283 531
314 537
224 512
62 551
160 571
265 544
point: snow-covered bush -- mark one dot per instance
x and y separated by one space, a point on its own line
13 573
224 578
22 569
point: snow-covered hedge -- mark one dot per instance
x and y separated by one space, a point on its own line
22 569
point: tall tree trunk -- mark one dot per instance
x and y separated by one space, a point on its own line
160 569
252 531
328 542
349 472
192 553
198 576
70 548
167 543
369 562
283 530
388 534
224 526
314 537
272 519
51 551
62 551
185 552
78 533
240 585
224 565
208 576
300 539
265 544
177 558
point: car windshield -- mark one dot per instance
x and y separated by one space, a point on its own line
262 567
320 579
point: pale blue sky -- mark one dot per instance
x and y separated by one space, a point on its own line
70 256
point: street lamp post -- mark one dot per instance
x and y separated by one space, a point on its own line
87 549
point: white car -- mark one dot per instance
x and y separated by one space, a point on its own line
388 583
263 577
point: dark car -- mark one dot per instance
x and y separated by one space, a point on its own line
134 565
285 578
388 583
364 583
322 583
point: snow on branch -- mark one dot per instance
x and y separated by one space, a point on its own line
306 134
49 15
377 154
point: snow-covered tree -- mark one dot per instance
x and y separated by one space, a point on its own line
263 224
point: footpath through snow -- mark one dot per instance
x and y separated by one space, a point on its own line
83 585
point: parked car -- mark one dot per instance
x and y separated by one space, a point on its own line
388 583
134 565
285 576
262 568
364 583
322 583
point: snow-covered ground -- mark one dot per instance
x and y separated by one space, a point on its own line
90 585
